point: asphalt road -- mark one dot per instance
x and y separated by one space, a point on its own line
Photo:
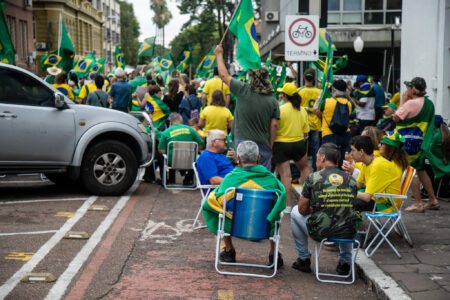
143 247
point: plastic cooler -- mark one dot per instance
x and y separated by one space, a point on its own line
251 208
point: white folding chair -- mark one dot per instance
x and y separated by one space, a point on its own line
249 222
205 189
183 154
381 220
339 279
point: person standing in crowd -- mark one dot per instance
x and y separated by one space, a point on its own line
290 141
364 98
120 94
98 97
62 86
380 97
257 112
212 85
310 95
174 96
88 87
190 105
342 139
216 115
415 121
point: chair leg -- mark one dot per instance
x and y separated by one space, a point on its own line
383 238
404 233
198 216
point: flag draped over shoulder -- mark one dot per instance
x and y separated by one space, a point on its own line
147 49
65 49
119 57
184 59
206 67
242 26
327 78
7 51
255 177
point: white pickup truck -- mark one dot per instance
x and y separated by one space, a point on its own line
42 131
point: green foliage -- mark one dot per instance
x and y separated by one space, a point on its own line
129 28
162 15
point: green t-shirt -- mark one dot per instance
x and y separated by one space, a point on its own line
179 133
253 113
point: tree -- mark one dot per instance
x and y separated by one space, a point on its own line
129 28
161 14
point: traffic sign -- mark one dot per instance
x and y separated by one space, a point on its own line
301 38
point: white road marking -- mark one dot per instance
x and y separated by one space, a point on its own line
64 280
42 200
165 237
11 283
28 233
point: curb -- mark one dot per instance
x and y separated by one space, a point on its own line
383 285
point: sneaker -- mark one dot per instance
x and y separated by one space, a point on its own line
228 256
280 260
415 208
343 268
302 265
432 206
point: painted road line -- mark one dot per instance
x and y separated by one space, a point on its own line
11 283
28 232
22 256
43 200
64 280
65 214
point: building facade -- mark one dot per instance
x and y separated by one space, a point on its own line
83 20
111 28
19 18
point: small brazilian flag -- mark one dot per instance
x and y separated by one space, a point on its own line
50 60
119 57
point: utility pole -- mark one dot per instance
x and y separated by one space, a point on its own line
303 9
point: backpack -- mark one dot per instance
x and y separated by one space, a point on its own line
340 119
194 111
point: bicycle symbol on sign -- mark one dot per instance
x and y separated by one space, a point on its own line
303 32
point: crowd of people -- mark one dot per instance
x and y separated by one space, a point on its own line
359 142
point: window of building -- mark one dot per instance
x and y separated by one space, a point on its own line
363 11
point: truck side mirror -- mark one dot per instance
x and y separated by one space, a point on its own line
59 101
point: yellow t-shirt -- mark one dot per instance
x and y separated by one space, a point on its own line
396 99
293 124
381 176
327 113
360 166
215 84
83 92
66 87
216 117
310 95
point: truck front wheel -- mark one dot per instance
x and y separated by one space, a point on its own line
109 168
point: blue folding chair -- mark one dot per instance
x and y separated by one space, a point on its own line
250 209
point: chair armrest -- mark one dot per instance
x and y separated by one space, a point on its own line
395 196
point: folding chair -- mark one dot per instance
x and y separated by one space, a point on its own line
381 220
249 221
205 189
183 154
321 276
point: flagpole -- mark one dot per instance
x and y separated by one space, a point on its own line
60 33
228 27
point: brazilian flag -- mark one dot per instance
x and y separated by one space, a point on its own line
119 57
206 67
147 49
98 66
184 59
166 63
84 65
50 60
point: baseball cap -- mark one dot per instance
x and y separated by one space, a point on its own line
119 72
391 105
418 83
288 89
340 85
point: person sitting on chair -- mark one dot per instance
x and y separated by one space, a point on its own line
325 210
247 175
180 133
213 164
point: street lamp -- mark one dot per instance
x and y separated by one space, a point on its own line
396 24
358 44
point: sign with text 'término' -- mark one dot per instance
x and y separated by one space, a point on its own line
302 38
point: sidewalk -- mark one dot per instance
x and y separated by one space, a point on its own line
423 272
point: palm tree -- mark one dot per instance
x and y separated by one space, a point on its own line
162 15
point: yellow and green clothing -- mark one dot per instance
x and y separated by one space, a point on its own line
293 124
216 117
328 111
214 84
85 90
65 89
310 95
396 99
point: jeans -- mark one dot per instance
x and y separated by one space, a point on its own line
301 235
313 146
343 141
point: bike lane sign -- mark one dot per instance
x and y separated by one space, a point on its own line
301 38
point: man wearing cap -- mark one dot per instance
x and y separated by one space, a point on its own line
387 124
364 98
309 95
339 94
415 121
257 112
120 93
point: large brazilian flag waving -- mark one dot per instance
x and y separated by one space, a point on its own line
242 26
